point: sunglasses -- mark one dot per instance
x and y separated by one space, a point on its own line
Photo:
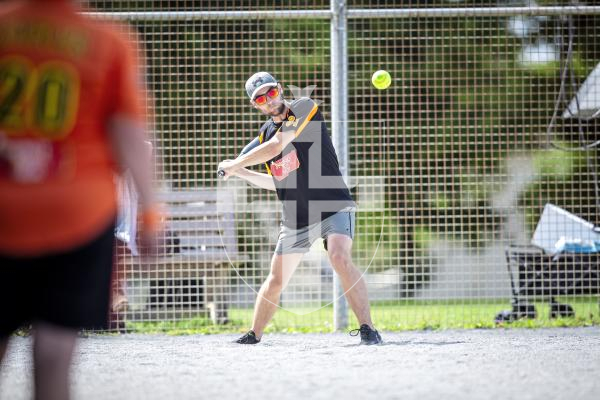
262 99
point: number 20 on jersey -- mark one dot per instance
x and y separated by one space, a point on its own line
40 99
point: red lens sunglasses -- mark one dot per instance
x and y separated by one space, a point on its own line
262 99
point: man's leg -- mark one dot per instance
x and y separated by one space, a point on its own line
119 302
282 269
52 354
3 346
340 254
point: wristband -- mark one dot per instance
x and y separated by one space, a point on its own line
152 219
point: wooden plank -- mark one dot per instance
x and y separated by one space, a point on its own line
194 225
208 196
162 313
187 196
183 210
199 241
209 257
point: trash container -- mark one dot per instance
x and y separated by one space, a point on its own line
535 275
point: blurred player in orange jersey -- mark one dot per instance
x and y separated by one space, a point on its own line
71 115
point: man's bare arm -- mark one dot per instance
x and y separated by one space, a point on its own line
263 181
260 154
128 141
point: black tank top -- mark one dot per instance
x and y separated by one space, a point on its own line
306 174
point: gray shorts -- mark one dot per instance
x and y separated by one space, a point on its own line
300 240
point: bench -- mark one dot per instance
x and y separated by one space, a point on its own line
191 275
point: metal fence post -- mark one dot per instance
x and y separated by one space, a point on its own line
339 118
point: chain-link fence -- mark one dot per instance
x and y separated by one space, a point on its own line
490 117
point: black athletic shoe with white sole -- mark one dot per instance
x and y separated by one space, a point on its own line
248 338
368 336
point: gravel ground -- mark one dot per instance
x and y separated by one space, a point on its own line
472 364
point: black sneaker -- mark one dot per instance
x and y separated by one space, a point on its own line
248 338
368 336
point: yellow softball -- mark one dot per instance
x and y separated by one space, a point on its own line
381 79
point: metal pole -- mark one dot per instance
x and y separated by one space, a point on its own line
210 15
471 12
350 14
339 127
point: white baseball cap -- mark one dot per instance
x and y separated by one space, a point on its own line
258 81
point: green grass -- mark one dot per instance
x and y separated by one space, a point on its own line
470 314
388 316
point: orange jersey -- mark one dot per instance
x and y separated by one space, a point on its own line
62 77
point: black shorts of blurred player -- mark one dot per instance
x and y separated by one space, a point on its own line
57 295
